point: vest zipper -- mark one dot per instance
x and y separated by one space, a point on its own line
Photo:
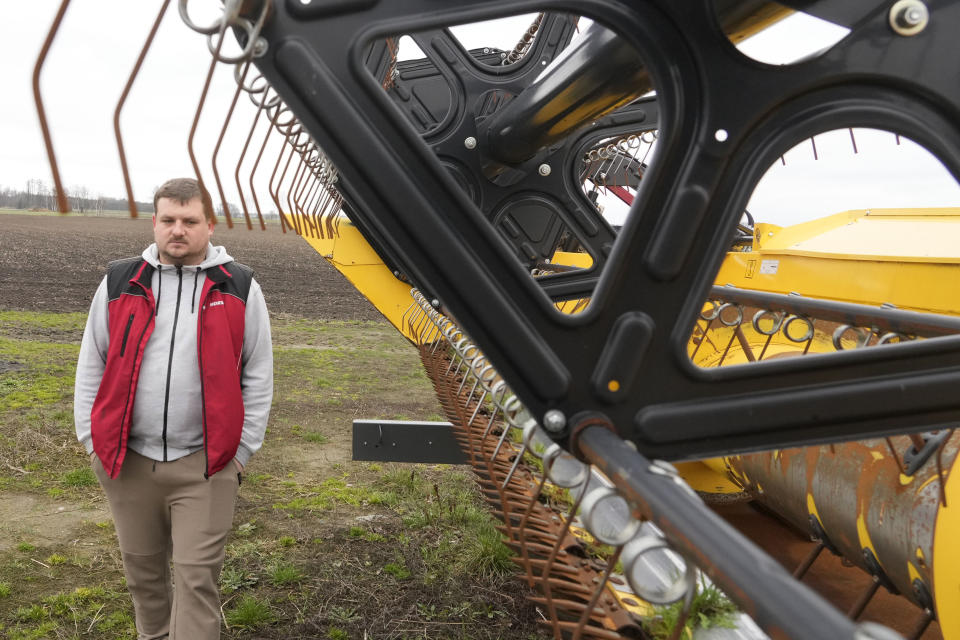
126 334
173 336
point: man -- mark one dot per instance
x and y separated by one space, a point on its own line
173 391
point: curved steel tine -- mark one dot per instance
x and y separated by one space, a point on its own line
499 390
216 149
243 153
585 616
256 163
123 98
555 551
62 204
204 194
274 190
294 181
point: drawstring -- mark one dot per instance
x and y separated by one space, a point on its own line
193 298
156 312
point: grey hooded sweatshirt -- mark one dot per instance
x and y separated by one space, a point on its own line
167 419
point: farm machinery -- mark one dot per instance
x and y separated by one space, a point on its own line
685 400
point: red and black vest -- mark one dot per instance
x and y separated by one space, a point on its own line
220 325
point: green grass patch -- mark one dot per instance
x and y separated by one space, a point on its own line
250 613
710 609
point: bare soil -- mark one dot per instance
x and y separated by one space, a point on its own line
54 263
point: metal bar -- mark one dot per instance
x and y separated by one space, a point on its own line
62 203
781 606
897 320
123 98
406 441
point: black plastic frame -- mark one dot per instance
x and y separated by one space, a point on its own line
662 265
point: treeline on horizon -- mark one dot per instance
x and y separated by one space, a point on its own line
40 195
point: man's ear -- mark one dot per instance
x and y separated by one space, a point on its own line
154 218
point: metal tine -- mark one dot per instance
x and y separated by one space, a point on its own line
293 222
601 586
243 153
324 197
404 316
432 334
513 468
426 326
294 181
123 98
256 163
316 188
474 367
548 567
273 175
216 149
486 390
306 186
514 404
275 190
468 360
460 353
204 194
63 204
332 206
500 387
735 325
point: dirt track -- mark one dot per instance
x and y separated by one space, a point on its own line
53 263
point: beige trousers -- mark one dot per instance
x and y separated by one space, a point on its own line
164 511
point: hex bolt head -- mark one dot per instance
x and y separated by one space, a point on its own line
470 142
544 169
554 421
909 17
435 303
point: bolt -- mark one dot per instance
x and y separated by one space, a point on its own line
909 17
259 48
544 169
470 142
554 421
435 303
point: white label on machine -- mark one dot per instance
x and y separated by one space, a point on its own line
769 266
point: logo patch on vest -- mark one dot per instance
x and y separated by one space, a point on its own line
217 303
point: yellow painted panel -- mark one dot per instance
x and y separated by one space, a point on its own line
352 256
703 478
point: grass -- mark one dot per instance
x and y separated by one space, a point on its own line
710 609
312 538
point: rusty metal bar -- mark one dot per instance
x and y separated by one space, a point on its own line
123 98
62 202
204 193
216 148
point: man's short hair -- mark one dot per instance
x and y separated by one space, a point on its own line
181 190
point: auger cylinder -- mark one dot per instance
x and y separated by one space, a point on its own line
856 497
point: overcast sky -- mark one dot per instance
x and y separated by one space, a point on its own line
100 39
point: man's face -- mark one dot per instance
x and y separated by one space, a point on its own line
181 231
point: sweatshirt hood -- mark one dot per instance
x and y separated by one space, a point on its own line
215 256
